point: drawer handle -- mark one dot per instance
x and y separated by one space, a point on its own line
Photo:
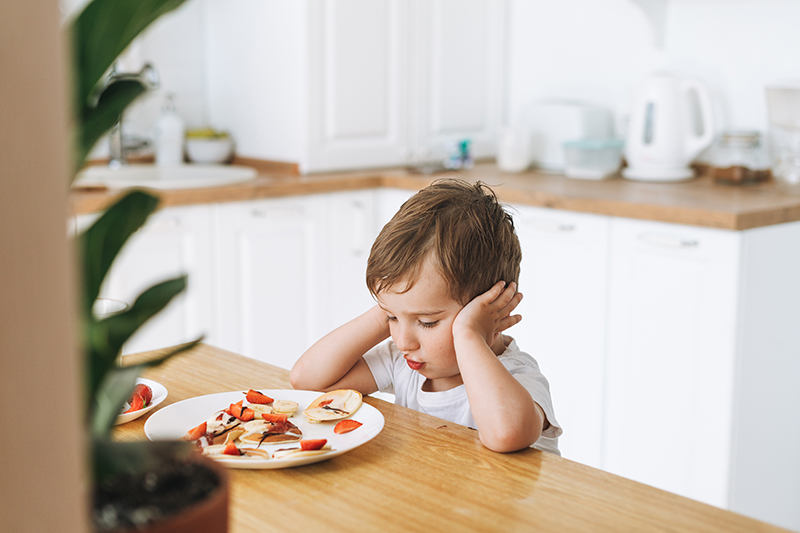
668 241
283 212
163 224
551 226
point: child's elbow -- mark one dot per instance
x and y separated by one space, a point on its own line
509 440
297 378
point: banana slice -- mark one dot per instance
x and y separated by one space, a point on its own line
284 407
233 434
298 452
260 408
214 449
334 405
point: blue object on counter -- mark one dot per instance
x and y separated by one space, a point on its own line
459 155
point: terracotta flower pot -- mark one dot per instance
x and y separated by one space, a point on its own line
166 475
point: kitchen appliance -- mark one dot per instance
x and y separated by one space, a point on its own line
552 122
671 123
783 105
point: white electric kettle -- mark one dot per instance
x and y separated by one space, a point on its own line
667 130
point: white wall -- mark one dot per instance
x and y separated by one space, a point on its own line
593 50
244 74
597 50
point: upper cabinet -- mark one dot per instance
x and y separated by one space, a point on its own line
356 83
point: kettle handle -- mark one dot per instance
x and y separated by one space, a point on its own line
696 143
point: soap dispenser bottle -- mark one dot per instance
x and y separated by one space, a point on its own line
170 132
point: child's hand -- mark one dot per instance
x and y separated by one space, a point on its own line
489 314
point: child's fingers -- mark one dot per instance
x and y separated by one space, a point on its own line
508 321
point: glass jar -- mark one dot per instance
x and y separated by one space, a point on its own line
739 158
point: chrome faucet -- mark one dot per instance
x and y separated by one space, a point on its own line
120 145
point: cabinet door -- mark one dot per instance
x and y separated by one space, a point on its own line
272 258
563 278
175 241
671 346
357 90
352 225
389 202
457 75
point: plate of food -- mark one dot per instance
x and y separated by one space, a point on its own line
145 397
269 428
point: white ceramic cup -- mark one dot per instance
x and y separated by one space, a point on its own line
514 149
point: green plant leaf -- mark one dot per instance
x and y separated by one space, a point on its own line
96 121
102 31
101 243
106 337
116 389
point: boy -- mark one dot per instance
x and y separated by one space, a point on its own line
444 274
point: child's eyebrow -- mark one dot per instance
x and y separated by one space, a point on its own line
417 313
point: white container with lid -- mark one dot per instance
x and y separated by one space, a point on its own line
592 159
551 122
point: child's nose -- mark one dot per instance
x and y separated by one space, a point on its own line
404 338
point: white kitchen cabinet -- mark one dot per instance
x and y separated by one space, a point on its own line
353 230
355 83
456 75
272 257
175 241
671 350
765 462
389 202
563 279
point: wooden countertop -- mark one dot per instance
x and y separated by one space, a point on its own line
425 474
698 202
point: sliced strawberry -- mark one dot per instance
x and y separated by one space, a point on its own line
196 433
313 444
136 403
275 417
231 449
245 414
253 396
145 392
346 426
326 402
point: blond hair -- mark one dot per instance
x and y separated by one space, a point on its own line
461 228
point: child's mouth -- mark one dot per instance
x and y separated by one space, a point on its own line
414 365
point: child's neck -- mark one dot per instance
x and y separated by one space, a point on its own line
442 384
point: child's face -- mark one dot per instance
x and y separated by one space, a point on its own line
421 325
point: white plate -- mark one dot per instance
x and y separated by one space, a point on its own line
174 421
159 395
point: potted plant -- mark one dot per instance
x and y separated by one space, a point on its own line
142 486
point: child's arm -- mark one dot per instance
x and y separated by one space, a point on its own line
334 361
507 417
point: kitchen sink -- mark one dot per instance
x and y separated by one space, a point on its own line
192 176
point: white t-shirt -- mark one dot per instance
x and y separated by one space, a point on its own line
393 375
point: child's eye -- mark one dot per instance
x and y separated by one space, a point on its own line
391 318
428 324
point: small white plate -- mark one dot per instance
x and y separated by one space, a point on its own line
174 421
159 395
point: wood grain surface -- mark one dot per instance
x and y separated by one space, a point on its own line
425 474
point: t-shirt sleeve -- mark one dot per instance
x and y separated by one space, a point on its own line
380 362
525 370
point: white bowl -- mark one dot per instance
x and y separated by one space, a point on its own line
209 150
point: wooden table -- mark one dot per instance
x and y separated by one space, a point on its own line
425 474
